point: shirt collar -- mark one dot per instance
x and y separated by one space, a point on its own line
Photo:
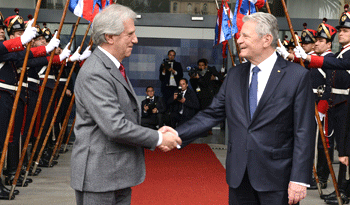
267 63
110 56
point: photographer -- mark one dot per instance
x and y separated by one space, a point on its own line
183 105
206 81
152 110
170 73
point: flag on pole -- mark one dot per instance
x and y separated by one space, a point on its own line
88 9
224 27
244 7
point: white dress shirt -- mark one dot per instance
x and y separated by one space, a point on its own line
264 74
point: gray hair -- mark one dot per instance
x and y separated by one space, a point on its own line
265 24
110 21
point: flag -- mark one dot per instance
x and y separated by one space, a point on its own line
88 9
224 27
244 7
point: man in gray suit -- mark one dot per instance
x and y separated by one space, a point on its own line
108 157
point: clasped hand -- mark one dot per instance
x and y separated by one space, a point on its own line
170 139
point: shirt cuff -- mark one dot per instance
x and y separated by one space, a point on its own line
160 140
302 184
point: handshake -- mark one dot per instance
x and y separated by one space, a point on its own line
170 139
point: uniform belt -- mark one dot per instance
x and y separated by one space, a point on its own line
25 85
63 79
9 87
340 91
33 80
49 77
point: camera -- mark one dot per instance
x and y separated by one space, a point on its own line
192 71
167 63
151 104
179 93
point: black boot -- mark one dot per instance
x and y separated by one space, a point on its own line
335 200
12 162
6 190
4 194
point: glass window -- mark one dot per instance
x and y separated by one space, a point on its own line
205 9
189 8
174 7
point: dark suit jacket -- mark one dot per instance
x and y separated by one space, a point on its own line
165 78
208 87
190 106
159 104
277 145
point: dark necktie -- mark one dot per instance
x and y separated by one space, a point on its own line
122 71
253 92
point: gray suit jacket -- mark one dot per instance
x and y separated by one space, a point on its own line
108 149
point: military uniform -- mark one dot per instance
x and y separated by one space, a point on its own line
337 95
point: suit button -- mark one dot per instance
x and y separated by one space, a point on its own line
250 131
245 150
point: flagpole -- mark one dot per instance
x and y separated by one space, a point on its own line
228 44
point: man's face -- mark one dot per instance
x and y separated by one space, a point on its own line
183 84
58 51
308 47
201 65
150 92
16 34
321 45
125 41
290 49
171 56
40 41
250 43
2 33
344 36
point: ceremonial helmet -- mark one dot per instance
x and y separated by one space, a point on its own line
326 31
14 23
2 24
47 33
344 21
285 42
308 35
291 41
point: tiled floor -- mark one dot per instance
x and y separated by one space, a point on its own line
52 185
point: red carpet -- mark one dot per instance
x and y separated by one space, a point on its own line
189 176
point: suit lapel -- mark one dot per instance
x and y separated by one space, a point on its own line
245 88
115 72
274 79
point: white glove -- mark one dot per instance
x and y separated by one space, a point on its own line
85 54
300 53
29 33
282 51
75 55
54 43
65 53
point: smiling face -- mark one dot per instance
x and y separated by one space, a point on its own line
123 43
254 48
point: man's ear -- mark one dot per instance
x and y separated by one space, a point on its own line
109 38
267 40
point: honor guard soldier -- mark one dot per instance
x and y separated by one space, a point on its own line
339 98
308 40
323 82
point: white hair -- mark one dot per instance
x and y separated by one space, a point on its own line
110 21
265 24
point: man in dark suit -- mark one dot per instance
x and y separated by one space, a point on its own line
152 110
170 73
108 156
206 82
184 105
269 106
